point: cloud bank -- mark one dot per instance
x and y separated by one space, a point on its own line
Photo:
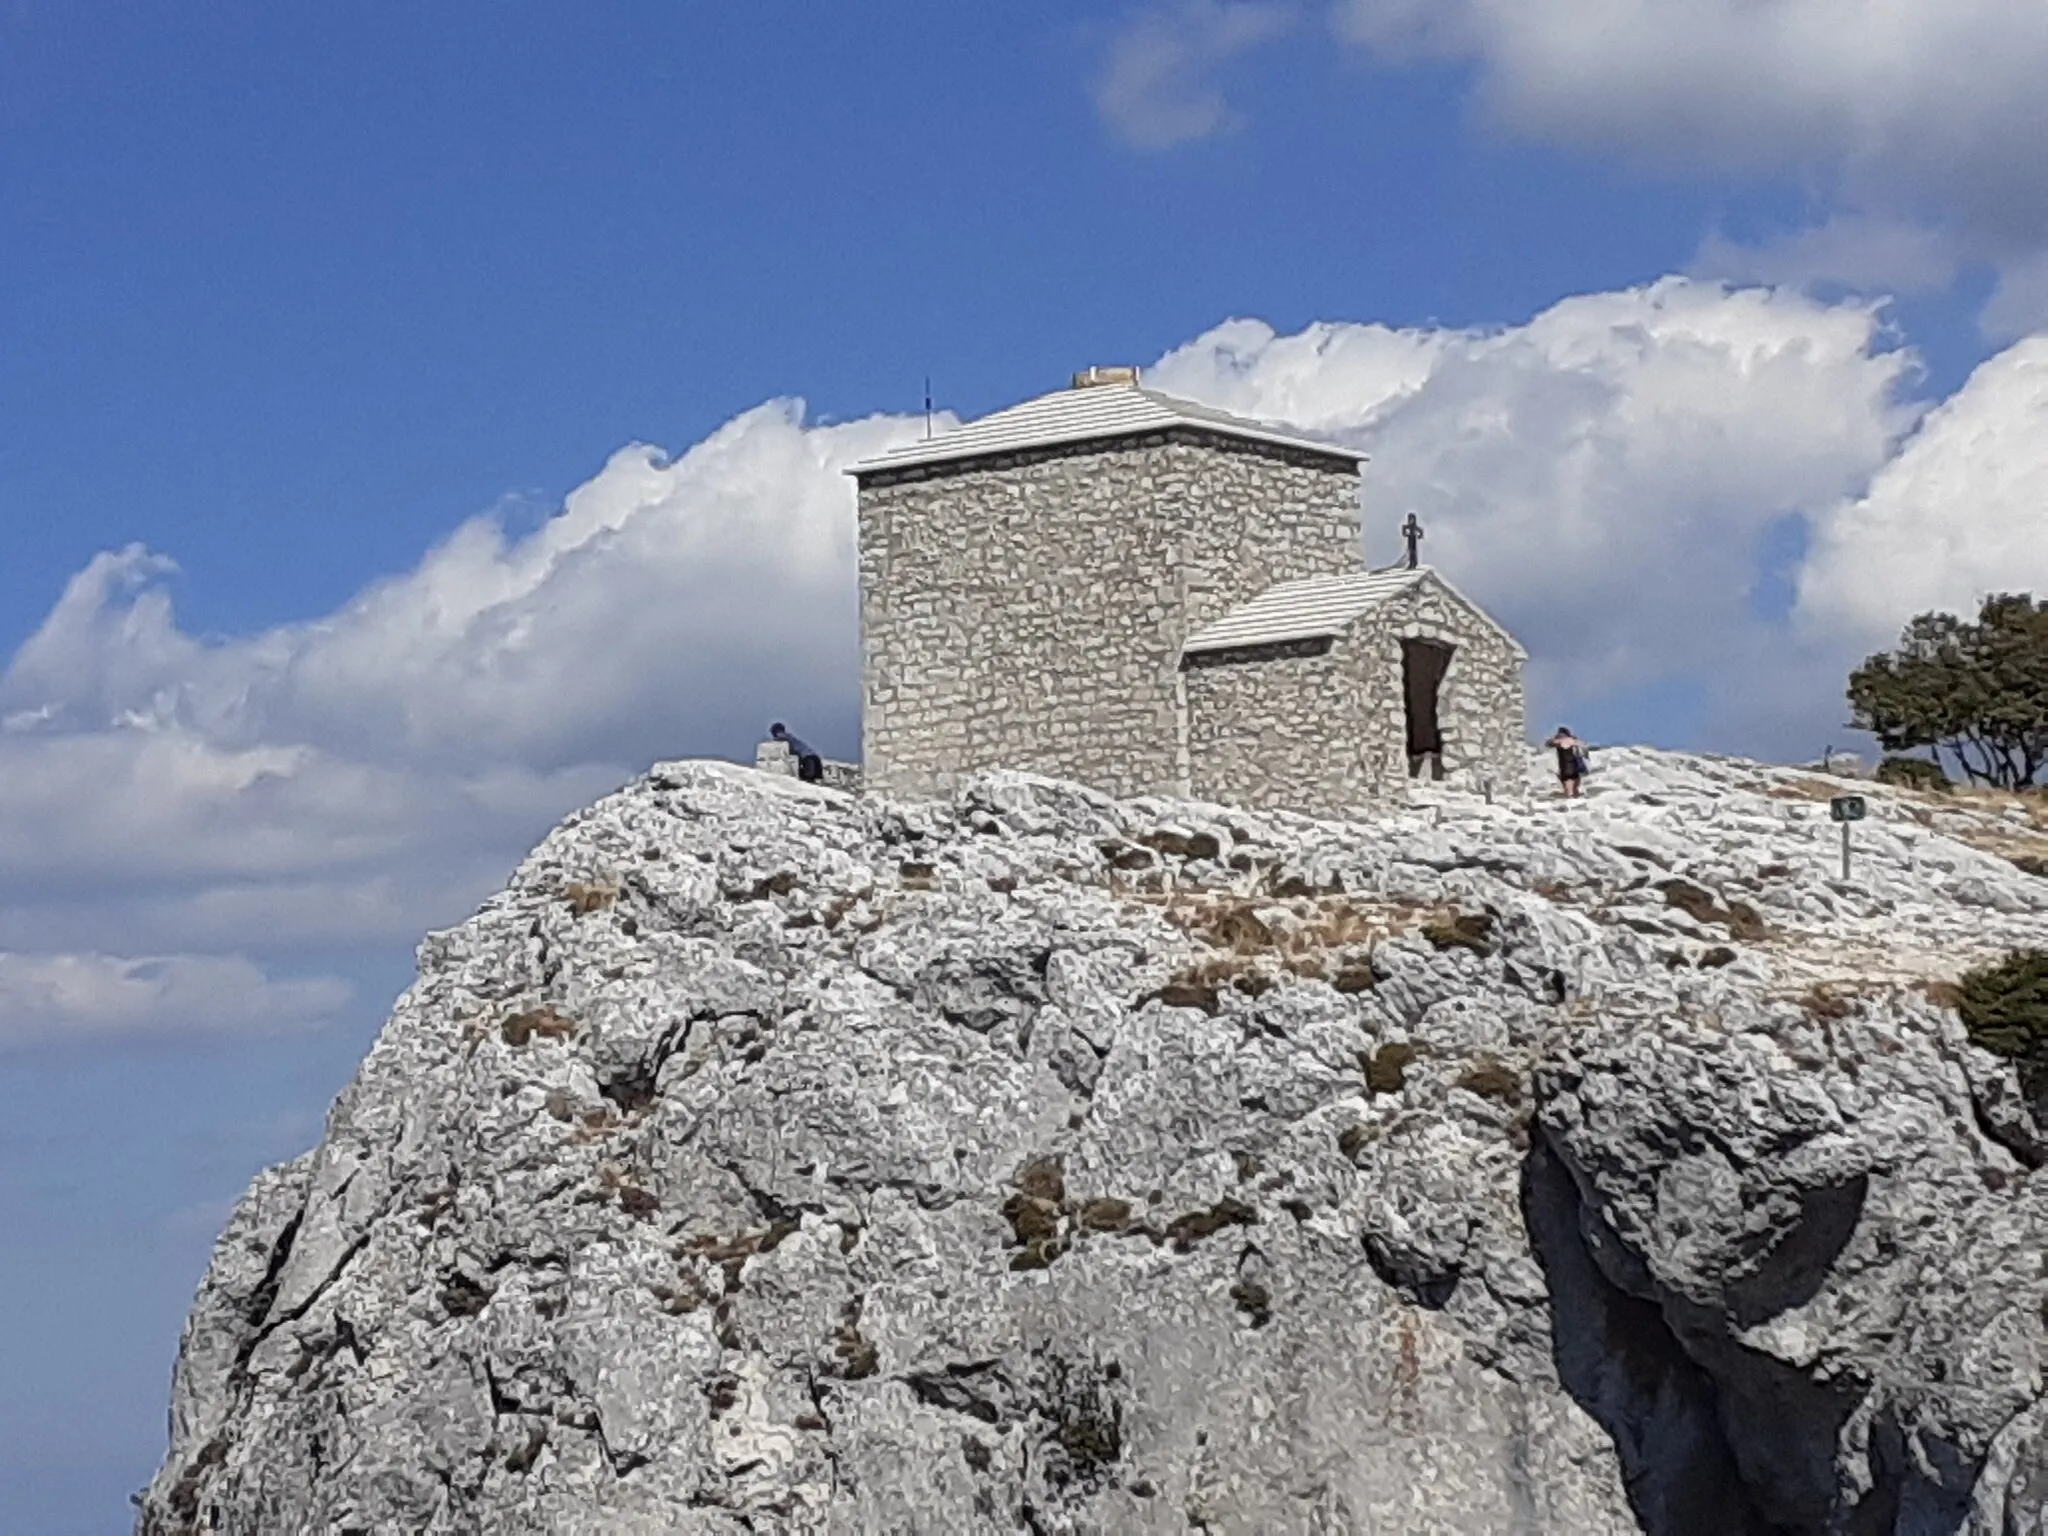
346 782
46 997
1916 126
1685 492
1919 122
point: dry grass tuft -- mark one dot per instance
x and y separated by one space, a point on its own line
1943 994
1741 919
1461 930
585 897
1829 1000
916 875
1257 942
522 1027
1491 1078
1386 1068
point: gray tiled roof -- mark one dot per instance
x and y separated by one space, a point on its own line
1308 609
1082 415
1316 607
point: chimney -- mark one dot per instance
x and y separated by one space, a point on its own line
1096 376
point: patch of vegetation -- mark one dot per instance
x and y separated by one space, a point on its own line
1461 930
1044 1177
1968 690
1034 1213
1740 919
585 897
731 1253
1746 923
1254 1300
1491 1078
1202 983
1085 1421
1824 1002
1106 1215
1354 1138
1943 994
1386 1067
1355 976
2005 1010
686 1296
1185 1231
1182 845
858 1357
1127 856
522 1027
1190 994
461 1296
1913 773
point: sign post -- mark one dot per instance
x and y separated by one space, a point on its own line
1845 809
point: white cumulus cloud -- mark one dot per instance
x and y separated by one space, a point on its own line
1961 512
1158 86
353 778
1604 478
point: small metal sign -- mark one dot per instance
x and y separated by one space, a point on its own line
1845 809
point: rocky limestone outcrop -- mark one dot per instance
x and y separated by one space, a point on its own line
765 1158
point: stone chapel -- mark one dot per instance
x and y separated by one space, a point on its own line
1150 596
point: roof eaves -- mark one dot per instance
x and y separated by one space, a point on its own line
942 451
1335 603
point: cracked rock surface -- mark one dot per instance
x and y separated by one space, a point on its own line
764 1158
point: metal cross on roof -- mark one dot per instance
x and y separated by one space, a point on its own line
1412 532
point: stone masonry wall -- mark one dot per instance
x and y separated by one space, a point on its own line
1028 611
1480 705
1301 729
1326 732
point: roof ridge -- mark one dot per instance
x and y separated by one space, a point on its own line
1092 413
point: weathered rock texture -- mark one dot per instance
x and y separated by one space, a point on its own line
768 1159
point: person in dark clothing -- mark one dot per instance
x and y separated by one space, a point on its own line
809 766
1571 760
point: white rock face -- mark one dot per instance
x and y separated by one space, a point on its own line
768 1159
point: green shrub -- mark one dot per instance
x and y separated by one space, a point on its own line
1913 773
2005 1009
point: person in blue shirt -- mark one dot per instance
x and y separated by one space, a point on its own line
809 766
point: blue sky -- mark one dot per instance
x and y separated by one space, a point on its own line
399 445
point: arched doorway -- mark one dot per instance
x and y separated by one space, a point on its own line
1423 664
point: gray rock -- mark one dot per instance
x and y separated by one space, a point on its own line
769 1158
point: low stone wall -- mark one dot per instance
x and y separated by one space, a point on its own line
774 757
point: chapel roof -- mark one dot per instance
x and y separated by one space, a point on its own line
1314 608
1085 414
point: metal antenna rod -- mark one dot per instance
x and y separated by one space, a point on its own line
927 406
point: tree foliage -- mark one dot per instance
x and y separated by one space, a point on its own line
1913 773
1975 691
2005 1010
